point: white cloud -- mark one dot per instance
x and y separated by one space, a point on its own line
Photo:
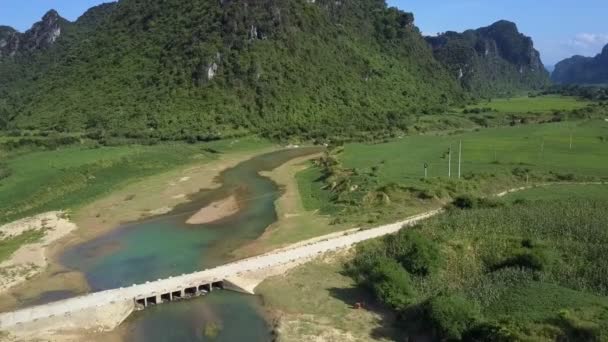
589 41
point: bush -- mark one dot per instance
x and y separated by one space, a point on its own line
415 252
391 283
470 202
451 316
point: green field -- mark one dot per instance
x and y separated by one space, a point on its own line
543 147
562 191
71 177
376 182
540 104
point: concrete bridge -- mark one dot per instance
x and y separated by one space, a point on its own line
195 284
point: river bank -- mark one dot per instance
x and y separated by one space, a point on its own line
30 259
294 224
135 201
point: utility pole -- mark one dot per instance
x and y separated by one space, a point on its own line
570 139
426 170
459 157
542 147
450 162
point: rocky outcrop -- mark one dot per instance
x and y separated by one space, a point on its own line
42 35
9 41
491 60
583 70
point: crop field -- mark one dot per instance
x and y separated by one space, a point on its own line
511 271
70 177
540 104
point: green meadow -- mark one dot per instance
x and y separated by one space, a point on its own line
543 147
376 183
540 104
70 177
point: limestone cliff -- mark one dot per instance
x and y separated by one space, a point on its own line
583 70
42 35
493 60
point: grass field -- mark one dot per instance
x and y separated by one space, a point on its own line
562 191
540 104
493 160
543 147
71 177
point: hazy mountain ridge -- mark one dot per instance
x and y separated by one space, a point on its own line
582 70
493 60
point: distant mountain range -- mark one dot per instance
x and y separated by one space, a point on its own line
491 60
205 69
583 70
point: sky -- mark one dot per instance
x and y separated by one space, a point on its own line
559 28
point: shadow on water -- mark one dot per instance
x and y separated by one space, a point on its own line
166 246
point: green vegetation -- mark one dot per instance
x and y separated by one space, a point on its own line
11 244
368 184
71 177
526 104
505 272
203 70
555 192
595 93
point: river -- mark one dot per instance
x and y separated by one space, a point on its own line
166 246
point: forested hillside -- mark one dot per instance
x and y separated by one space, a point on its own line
491 61
583 70
199 70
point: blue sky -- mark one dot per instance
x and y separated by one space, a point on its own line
560 28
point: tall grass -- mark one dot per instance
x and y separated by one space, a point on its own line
522 263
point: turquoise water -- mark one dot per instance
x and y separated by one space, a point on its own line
166 246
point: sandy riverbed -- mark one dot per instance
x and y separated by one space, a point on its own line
31 259
215 211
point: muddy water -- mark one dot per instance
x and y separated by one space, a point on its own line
167 246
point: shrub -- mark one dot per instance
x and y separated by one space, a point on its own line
451 316
415 252
470 202
391 283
